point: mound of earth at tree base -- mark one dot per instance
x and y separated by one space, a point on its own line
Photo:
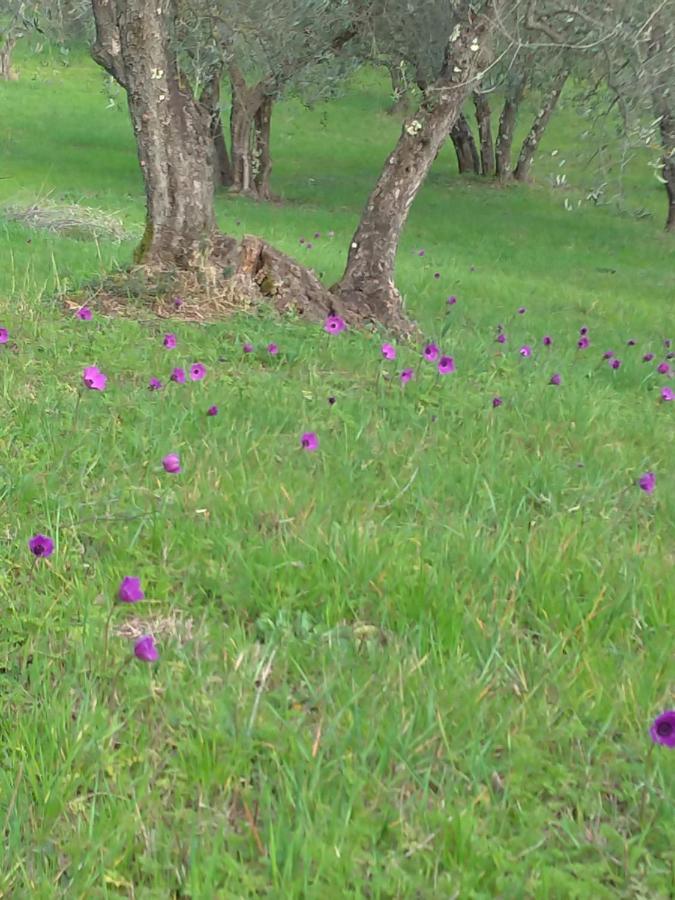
237 276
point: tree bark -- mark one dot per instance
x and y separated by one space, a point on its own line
173 139
531 142
210 99
507 124
660 61
7 73
468 159
484 122
368 280
262 153
246 101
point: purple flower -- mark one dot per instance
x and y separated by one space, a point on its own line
648 357
630 343
178 375
420 252
555 379
154 384
663 368
212 411
331 400
4 335
309 441
41 545
197 371
317 234
431 352
667 394
130 590
170 341
437 274
608 354
583 343
501 338
663 729
583 331
145 650
272 349
647 482
178 302
301 240
309 245
94 379
496 401
522 310
452 300
248 348
615 363
388 351
525 350
171 463
334 325
84 313
547 340
406 375
446 365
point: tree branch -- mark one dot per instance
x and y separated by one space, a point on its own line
106 48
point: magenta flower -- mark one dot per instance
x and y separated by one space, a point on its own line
431 352
663 368
608 354
525 351
334 325
496 401
583 343
171 463
667 393
555 379
170 341
317 234
667 343
420 252
663 729
178 375
84 313
388 351
583 330
647 482
248 348
446 365
145 650
437 274
547 340
41 545
648 357
301 240
501 338
154 384
331 400
212 411
94 379
130 590
4 335
630 343
309 441
522 310
197 371
406 375
272 349
452 300
178 302
615 363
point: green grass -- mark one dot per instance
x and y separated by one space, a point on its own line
421 662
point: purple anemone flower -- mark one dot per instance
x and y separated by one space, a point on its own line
630 343
496 401
663 368
309 441
667 394
212 411
446 365
170 341
317 234
431 352
648 357
331 400
171 463
130 590
94 379
547 340
437 275
555 379
583 331
388 351
663 729
84 313
248 348
197 371
667 343
272 349
4 335
501 338
421 252
406 375
334 325
452 300
647 482
178 302
525 350
583 343
145 650
178 375
608 354
615 363
154 384
41 545
522 310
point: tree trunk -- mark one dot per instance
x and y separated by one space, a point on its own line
507 124
661 63
667 130
174 144
246 101
7 73
468 159
263 157
531 142
368 280
484 121
210 99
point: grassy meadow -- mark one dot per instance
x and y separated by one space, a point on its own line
420 662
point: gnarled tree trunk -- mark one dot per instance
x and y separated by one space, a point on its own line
368 280
468 159
7 45
660 62
484 122
262 153
507 124
531 142
210 99
246 101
